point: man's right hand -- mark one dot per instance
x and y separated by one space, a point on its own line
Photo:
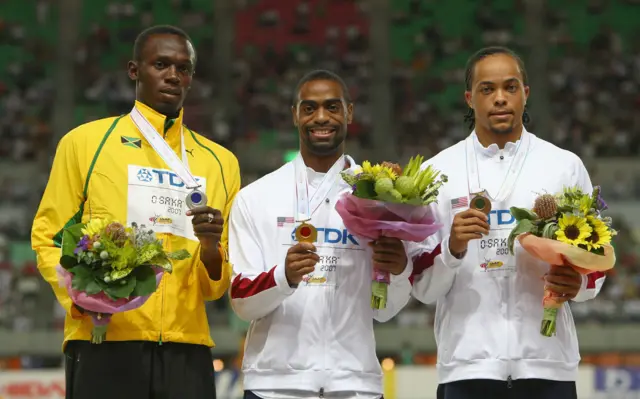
468 225
301 259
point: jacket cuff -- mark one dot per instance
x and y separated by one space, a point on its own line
583 293
447 258
281 280
406 273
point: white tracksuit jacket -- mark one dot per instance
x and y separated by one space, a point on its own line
312 338
488 325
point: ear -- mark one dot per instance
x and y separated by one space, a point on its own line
526 94
349 113
294 115
467 99
132 70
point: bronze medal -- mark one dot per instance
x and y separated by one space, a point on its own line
306 233
481 202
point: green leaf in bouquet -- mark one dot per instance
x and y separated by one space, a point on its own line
70 237
93 287
565 209
523 226
417 201
365 189
125 257
121 288
413 166
68 262
549 230
179 255
148 252
120 274
392 196
82 277
349 178
145 279
523 214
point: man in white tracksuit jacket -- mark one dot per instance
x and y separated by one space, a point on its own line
489 303
311 333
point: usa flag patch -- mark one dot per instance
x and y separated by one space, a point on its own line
461 202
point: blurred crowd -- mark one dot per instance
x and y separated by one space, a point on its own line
593 88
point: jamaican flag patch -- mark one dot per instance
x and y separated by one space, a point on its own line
131 141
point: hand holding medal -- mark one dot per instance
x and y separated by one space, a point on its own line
301 258
469 225
208 223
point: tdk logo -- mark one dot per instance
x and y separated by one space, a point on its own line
500 216
328 235
162 177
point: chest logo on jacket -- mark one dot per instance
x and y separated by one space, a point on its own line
494 249
327 235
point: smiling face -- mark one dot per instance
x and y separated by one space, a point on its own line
164 73
498 94
321 116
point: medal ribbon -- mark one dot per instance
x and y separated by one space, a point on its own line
509 181
305 206
180 168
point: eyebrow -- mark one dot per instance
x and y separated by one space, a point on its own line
488 82
166 57
312 102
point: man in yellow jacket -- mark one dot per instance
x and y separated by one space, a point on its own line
131 168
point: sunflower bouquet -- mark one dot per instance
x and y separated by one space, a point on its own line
566 229
388 200
108 268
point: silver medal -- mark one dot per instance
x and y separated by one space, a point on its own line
196 198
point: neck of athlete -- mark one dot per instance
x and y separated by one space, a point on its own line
321 163
169 114
486 137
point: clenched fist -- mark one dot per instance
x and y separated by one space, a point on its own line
468 225
301 260
564 282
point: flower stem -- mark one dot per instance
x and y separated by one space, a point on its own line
548 326
98 334
378 295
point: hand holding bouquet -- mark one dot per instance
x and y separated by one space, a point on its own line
569 230
107 268
389 201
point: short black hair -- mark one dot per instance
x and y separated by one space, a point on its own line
142 38
481 54
322 74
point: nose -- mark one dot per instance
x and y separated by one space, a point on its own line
172 75
501 98
321 117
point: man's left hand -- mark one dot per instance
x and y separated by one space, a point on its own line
207 225
563 281
389 255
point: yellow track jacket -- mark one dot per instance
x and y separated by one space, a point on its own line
91 176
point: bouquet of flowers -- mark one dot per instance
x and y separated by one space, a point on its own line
387 200
107 268
566 229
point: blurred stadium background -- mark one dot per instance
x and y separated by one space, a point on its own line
62 63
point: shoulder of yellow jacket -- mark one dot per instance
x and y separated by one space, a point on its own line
225 156
91 131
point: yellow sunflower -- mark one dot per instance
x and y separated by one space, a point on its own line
94 226
367 168
377 171
573 230
386 172
600 234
